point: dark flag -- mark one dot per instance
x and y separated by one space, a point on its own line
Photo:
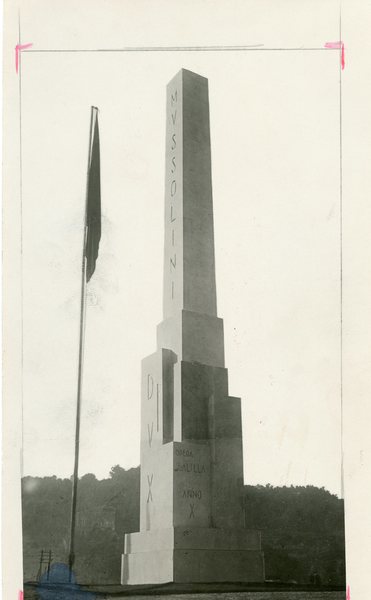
92 232
93 212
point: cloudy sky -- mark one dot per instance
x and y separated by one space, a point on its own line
275 167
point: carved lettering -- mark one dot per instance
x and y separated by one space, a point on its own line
150 480
183 452
192 494
149 386
192 513
191 468
173 158
150 434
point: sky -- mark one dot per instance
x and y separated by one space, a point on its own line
275 168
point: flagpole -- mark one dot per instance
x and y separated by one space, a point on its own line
71 554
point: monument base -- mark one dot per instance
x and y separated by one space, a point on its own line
192 555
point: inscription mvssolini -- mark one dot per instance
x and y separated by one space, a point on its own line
173 186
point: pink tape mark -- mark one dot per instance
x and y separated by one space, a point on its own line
338 46
348 593
18 49
20 595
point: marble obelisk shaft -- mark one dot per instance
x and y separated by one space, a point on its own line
189 267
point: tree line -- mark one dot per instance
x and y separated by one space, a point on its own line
302 527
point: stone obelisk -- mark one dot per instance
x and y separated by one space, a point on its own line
191 488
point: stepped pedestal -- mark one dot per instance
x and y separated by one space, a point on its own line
192 555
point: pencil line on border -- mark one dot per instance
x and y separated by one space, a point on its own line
256 48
